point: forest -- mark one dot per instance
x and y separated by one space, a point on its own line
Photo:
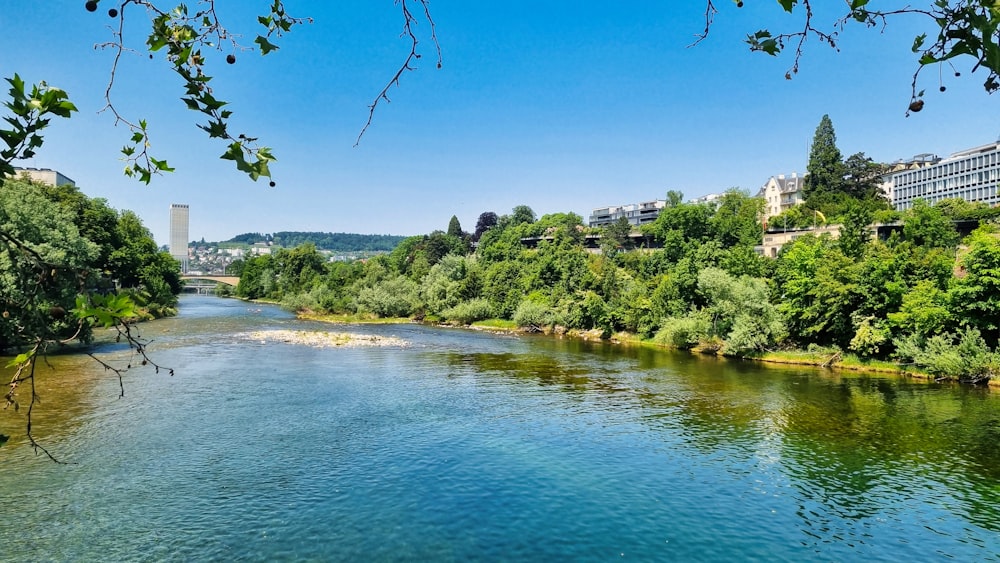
336 242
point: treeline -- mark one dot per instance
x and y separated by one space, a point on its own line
336 242
58 245
914 298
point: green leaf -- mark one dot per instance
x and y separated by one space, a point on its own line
265 45
788 4
918 41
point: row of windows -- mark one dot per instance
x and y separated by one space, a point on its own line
984 194
956 183
949 169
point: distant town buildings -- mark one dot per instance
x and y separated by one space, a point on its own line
45 176
636 213
781 193
971 175
179 217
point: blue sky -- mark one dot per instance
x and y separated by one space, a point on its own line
562 106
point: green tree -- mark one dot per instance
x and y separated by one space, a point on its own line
826 167
926 225
975 294
40 275
854 234
522 215
455 228
737 220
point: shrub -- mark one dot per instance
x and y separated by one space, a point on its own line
964 356
391 298
468 312
533 315
683 332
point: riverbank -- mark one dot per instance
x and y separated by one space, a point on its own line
826 360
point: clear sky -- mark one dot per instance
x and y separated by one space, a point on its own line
562 106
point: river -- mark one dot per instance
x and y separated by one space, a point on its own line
462 445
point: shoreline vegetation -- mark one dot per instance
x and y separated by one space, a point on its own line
831 360
879 290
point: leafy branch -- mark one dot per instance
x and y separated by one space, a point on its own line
963 28
183 36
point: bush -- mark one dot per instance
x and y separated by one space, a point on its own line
964 356
683 332
391 298
468 312
530 314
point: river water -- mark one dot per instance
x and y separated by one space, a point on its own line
465 445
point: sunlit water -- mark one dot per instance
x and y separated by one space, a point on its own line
465 445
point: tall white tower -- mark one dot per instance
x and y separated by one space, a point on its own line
179 214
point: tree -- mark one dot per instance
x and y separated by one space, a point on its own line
736 221
975 296
825 168
863 179
926 225
454 227
487 220
522 215
614 236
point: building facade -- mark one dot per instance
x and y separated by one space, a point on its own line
781 193
179 217
971 175
636 213
45 176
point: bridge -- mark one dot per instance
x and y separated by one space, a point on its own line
206 284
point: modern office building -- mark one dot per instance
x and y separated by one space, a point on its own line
45 176
636 213
179 216
971 175
781 193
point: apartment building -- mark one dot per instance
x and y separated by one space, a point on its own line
971 175
781 193
636 213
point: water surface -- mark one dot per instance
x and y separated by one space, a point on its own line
465 445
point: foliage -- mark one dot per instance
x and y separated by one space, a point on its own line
534 315
826 167
964 356
959 29
455 227
397 297
487 220
974 297
337 242
684 332
468 312
927 225
741 311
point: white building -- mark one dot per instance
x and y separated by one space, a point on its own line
782 193
45 176
971 175
179 216
714 199
636 213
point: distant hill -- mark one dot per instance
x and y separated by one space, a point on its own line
337 242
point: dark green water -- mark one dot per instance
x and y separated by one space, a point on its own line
470 446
